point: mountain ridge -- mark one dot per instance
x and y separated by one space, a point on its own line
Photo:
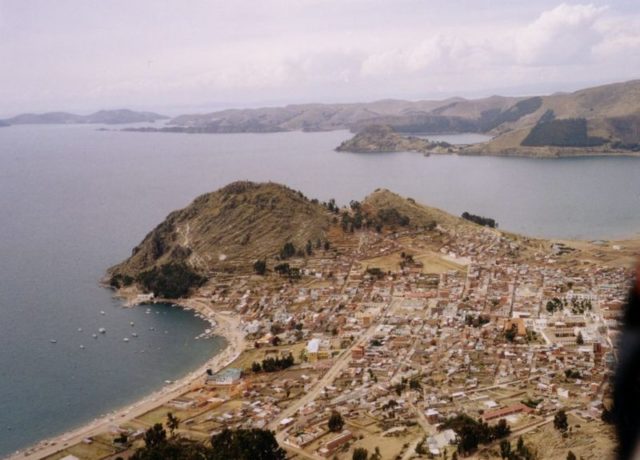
119 116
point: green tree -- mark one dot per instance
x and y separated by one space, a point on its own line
252 444
173 423
560 421
510 334
502 429
505 449
336 422
155 436
287 251
360 453
260 267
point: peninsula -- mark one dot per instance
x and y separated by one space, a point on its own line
385 326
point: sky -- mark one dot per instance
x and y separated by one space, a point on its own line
188 56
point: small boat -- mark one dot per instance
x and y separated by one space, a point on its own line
102 330
102 312
168 382
79 329
95 336
134 334
53 341
132 323
152 328
82 347
126 339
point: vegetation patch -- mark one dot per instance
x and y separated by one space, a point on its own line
172 280
484 221
570 132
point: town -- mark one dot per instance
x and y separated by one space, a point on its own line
382 341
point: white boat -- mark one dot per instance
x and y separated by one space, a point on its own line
79 329
53 341
126 339
95 336
132 323
134 334
82 347
102 330
102 312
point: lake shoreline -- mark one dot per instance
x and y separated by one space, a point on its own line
226 326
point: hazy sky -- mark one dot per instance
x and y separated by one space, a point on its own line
195 55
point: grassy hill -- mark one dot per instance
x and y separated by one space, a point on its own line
230 229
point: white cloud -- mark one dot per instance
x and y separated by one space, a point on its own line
566 34
316 50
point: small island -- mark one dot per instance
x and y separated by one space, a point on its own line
383 139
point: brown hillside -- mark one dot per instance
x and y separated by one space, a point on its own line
231 227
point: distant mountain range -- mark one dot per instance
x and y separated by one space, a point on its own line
110 117
590 121
603 118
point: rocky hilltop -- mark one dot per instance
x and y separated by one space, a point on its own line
382 138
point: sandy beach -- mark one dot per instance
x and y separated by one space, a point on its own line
226 325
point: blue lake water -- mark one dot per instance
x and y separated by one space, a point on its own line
74 200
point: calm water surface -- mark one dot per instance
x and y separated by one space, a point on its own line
74 201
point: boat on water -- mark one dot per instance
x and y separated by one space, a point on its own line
95 336
102 330
134 334
102 312
53 341
132 324
126 339
82 347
